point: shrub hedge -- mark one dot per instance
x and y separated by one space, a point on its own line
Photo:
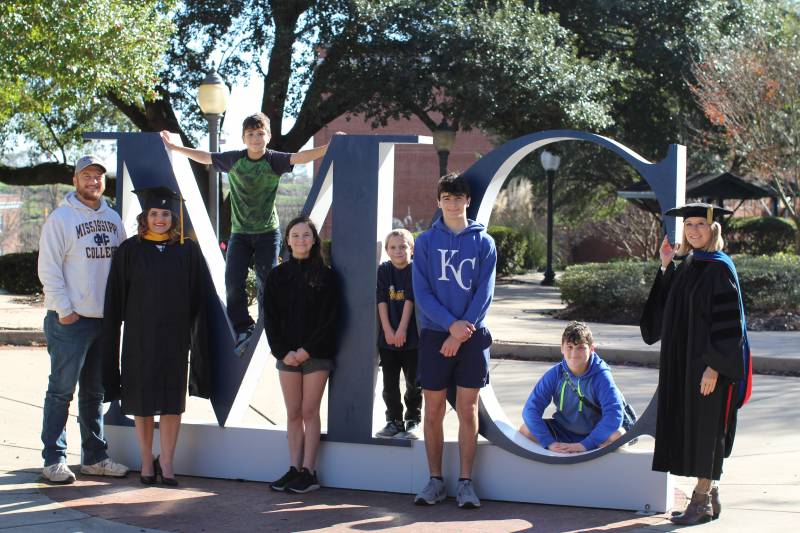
759 235
511 248
769 283
19 273
607 286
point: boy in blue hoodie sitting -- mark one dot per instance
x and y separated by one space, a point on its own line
453 277
577 386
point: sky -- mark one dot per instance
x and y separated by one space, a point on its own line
245 99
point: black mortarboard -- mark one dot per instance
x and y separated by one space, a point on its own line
699 209
158 197
161 198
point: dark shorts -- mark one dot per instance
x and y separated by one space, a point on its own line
309 366
562 434
469 368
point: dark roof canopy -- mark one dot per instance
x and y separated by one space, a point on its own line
725 186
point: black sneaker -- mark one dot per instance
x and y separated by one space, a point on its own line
280 484
392 428
306 481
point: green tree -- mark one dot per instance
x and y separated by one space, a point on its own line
59 59
501 66
654 44
505 68
60 51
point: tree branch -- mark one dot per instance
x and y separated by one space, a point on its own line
46 174
279 71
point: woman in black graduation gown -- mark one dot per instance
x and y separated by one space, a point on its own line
695 309
300 311
156 287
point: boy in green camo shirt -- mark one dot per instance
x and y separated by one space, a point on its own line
254 176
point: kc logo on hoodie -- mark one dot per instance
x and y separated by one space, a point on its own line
447 257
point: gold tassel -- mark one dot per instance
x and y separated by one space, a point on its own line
710 215
181 201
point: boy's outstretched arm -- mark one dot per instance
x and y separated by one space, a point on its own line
307 156
201 156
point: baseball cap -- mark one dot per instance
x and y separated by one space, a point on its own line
89 160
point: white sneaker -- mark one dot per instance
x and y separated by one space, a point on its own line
106 467
58 473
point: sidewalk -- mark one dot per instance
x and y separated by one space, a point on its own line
519 328
760 492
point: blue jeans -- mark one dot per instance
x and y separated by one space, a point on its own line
241 249
74 359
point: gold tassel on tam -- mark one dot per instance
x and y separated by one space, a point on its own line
710 215
181 207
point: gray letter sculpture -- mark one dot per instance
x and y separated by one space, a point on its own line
356 179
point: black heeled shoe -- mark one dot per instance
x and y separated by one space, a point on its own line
697 512
168 481
716 503
149 480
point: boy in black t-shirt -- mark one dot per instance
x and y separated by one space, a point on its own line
397 340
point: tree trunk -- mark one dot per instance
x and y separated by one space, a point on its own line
796 234
157 116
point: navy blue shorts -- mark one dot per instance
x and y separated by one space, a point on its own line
562 434
468 368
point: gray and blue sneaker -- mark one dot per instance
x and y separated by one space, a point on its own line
393 428
433 493
412 431
465 495
242 340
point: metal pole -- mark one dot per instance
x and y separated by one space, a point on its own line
549 275
213 176
443 155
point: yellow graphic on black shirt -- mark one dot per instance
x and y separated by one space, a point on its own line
398 296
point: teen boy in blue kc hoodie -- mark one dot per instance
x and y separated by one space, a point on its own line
579 378
453 276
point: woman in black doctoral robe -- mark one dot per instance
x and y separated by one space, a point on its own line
156 287
696 310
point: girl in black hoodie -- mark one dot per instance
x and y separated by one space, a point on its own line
300 303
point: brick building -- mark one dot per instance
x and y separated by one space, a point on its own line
416 166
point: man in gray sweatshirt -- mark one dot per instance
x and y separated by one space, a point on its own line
75 250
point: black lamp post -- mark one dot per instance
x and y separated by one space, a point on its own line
550 162
212 96
443 139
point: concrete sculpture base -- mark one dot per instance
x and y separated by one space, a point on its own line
619 480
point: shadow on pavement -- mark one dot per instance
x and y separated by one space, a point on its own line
223 505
